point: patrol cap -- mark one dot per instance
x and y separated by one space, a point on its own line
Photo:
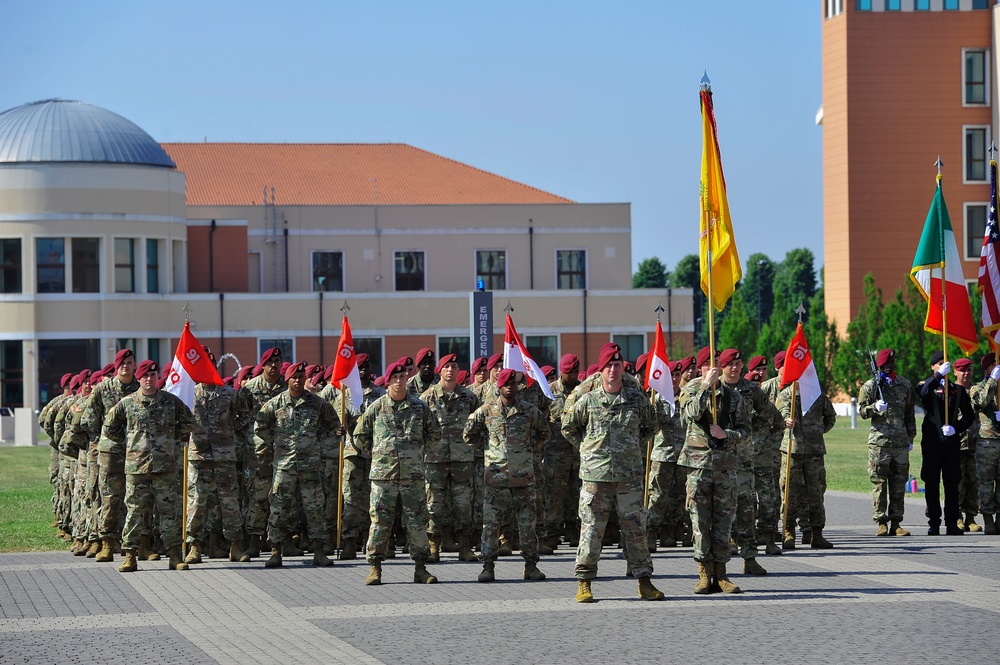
494 359
729 356
963 364
779 359
936 357
478 364
395 368
568 363
505 376
270 353
145 367
703 356
66 378
610 352
362 359
293 369
121 356
445 359
425 354
640 362
986 362
757 362
885 355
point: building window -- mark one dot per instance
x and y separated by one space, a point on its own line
152 266
128 343
571 269
543 348
491 267
457 345
409 271
12 373
975 229
863 5
10 265
975 65
980 4
633 346
834 8
124 265
951 4
50 265
153 351
86 265
373 347
892 5
976 139
328 271
287 347
922 5
58 356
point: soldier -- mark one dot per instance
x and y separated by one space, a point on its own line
46 420
984 398
77 443
219 412
110 453
485 392
424 378
939 442
889 401
717 425
660 509
67 456
149 424
764 484
767 463
448 463
394 431
968 483
611 425
291 433
808 471
561 462
91 492
513 430
480 375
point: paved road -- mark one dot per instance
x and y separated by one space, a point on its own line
888 600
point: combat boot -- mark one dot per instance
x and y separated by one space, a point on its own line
176 563
348 549
505 546
320 558
131 564
217 546
422 576
275 560
651 541
751 567
667 538
95 547
194 553
434 540
107 552
961 524
789 540
807 536
970 524
704 585
151 553
236 554
489 572
897 530
253 548
990 525
883 529
532 573
79 547
543 547
465 552
448 542
374 575
647 591
390 550
722 580
290 549
583 592
771 547
819 542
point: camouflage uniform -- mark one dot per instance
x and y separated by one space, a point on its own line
767 464
968 485
417 386
257 392
482 392
110 453
45 421
78 442
513 435
611 431
711 482
448 463
808 471
889 441
91 495
149 428
292 436
984 398
218 412
662 512
395 435
561 466
761 415
68 454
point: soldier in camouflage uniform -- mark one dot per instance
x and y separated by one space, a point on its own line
484 392
45 421
77 442
661 513
890 406
67 458
420 382
150 424
110 453
984 399
513 431
968 483
480 376
91 492
219 411
560 462
394 431
292 433
448 463
611 425
711 449
767 456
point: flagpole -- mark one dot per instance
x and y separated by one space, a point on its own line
785 494
652 403
706 86
944 295
184 473
345 308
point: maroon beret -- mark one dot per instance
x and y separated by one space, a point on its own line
145 367
293 369
703 356
121 356
779 359
494 359
505 376
285 365
593 368
750 376
242 375
757 361
424 354
361 358
609 352
884 356
380 381
547 370
162 382
395 368
729 356
229 381
313 369
963 363
66 378
629 367
257 369
581 376
478 364
76 381
405 361
462 376
686 363
640 362
96 377
108 369
445 359
568 363
270 353
987 361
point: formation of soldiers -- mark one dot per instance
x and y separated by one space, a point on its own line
439 460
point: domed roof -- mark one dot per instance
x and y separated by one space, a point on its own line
60 130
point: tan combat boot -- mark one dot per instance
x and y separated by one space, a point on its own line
79 547
883 529
647 591
970 524
704 585
348 549
275 560
218 546
236 554
374 575
422 576
194 553
291 549
771 547
532 573
506 548
961 524
151 553
434 540
176 563
788 541
583 592
253 548
751 567
448 541
990 525
897 530
722 580
807 536
95 547
819 542
320 558
489 572
131 564
465 552
107 552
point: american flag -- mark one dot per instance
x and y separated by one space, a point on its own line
989 275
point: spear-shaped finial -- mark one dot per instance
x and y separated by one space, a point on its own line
939 164
800 310
508 308
993 150
345 308
706 83
658 309
187 312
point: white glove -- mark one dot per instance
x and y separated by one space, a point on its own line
996 416
944 369
995 374
881 406
948 430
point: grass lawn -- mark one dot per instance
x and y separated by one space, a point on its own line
847 456
26 501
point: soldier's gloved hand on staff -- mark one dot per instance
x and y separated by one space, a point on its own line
995 374
944 369
881 406
710 377
996 416
948 430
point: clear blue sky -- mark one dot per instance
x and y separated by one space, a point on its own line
594 101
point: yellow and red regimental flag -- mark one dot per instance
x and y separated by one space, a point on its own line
716 238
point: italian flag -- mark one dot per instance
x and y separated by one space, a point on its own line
937 272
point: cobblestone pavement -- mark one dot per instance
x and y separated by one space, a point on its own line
886 599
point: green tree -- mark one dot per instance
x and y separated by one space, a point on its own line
849 368
757 287
652 274
821 333
687 274
738 330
